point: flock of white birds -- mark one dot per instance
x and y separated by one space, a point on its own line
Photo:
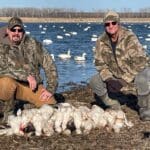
94 37
82 57
68 56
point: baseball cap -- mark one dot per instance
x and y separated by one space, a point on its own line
111 16
15 21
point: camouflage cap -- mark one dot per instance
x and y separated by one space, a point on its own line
111 16
15 21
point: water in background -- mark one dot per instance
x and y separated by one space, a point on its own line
79 38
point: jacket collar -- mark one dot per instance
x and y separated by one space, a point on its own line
105 37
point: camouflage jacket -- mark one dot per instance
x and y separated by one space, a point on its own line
26 59
129 60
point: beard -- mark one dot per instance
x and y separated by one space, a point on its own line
16 39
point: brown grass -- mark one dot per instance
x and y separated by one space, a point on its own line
26 19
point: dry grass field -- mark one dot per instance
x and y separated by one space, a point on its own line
132 20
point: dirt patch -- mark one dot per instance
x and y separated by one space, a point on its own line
138 137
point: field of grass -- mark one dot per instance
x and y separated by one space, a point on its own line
25 19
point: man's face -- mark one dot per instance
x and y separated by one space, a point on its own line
111 27
15 34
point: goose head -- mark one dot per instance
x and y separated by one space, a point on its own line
68 52
53 57
84 54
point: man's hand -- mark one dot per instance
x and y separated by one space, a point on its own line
114 85
45 95
32 82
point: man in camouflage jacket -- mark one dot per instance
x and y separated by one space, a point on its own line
21 58
122 64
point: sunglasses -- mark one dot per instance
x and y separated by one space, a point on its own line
14 30
107 24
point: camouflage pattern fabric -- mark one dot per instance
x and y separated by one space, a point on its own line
130 59
15 21
26 59
111 16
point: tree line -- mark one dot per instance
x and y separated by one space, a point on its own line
68 13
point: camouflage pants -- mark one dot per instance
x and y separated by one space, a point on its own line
142 82
97 85
10 88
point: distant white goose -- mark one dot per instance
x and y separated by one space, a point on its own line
65 56
27 32
80 58
59 37
147 39
47 41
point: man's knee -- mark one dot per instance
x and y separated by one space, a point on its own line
50 101
97 85
25 93
94 80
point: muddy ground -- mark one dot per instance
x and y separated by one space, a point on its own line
137 137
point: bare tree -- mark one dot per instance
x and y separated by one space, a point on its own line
69 13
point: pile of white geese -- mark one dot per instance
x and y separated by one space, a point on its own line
48 120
